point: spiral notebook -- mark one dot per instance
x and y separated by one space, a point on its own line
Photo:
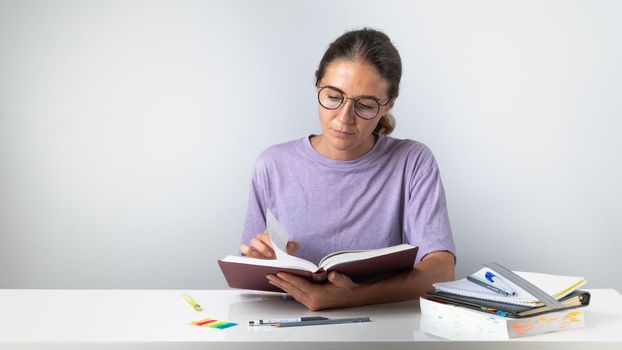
555 285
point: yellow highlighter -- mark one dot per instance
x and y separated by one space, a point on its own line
192 302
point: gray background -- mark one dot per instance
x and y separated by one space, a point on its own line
128 129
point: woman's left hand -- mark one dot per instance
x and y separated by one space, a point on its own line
338 291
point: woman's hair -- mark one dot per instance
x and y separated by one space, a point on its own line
374 48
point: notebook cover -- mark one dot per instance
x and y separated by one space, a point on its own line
249 276
512 310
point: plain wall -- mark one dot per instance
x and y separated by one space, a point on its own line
129 129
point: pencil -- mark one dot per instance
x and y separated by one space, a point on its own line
320 322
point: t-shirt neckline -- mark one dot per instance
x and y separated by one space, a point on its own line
343 164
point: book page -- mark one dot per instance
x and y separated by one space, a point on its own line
291 262
278 236
354 255
555 285
340 252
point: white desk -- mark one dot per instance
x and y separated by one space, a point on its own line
159 319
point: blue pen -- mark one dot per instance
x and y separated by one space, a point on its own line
487 285
496 281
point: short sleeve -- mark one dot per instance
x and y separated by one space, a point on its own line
426 221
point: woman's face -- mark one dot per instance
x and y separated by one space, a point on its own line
345 136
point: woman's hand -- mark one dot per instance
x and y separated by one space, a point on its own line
338 291
261 247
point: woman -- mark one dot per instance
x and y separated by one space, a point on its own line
352 186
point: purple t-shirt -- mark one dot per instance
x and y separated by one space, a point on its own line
391 195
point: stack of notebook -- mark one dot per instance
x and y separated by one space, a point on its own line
510 303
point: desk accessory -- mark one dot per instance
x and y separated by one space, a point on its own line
211 323
523 283
192 302
269 322
541 303
493 283
531 288
575 299
323 322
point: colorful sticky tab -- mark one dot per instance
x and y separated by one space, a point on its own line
211 323
203 322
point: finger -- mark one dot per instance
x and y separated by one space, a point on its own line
262 248
296 281
275 281
246 250
292 247
251 252
265 238
339 279
297 293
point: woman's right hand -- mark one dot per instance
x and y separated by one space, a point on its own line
261 247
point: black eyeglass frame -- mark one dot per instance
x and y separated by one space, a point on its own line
355 100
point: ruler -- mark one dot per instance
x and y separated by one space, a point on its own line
524 284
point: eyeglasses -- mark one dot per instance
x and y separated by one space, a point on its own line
366 107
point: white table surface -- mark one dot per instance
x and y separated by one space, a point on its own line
157 319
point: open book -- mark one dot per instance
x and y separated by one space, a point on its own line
361 266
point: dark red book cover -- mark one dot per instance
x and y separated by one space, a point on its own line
249 276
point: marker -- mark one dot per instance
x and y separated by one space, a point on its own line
285 320
192 302
320 322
